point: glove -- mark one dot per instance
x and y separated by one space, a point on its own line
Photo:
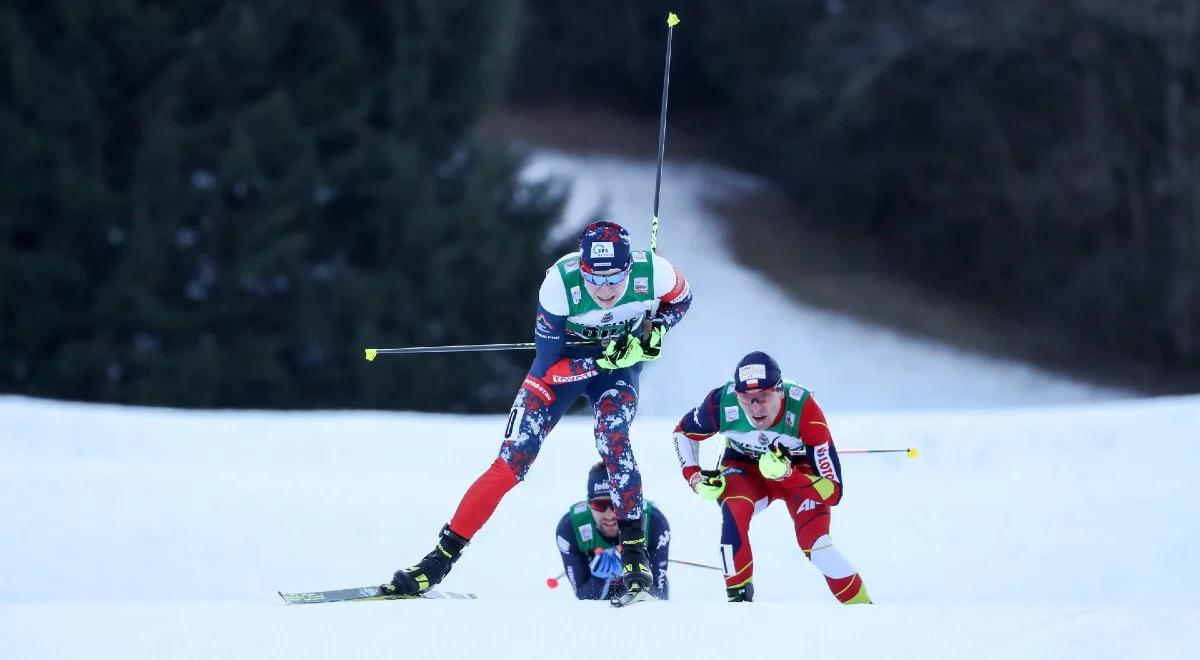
652 342
708 484
606 564
776 463
621 353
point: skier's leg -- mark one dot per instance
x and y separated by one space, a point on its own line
614 399
615 407
534 413
536 409
743 497
811 520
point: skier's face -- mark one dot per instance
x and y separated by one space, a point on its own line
762 405
606 286
605 516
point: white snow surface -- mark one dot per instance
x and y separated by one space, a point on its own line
1054 532
1042 518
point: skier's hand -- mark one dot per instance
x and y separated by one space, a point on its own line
708 484
621 353
652 342
606 564
775 463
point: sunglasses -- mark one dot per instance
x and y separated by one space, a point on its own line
600 506
601 280
756 393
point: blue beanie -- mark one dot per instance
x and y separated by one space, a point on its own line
598 486
756 371
603 246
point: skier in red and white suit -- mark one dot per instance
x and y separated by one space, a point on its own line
778 448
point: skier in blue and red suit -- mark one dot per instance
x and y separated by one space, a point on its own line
602 312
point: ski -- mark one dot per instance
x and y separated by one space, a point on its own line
366 593
632 598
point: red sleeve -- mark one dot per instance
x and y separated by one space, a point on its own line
822 455
679 291
813 429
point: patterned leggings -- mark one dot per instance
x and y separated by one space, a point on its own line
535 411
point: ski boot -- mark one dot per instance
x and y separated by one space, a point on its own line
743 593
635 562
432 569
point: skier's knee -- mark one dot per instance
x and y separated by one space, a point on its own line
503 473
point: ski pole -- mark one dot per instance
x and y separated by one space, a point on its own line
553 582
911 452
696 564
672 21
371 353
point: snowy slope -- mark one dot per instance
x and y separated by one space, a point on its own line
1064 532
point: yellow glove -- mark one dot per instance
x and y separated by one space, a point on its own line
652 344
776 463
708 484
621 353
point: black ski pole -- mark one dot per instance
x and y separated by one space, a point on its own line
371 353
672 21
911 452
696 564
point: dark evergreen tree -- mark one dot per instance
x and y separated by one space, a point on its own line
1034 159
222 203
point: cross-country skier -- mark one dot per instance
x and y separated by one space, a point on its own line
778 448
587 537
621 302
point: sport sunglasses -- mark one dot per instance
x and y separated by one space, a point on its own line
601 280
600 505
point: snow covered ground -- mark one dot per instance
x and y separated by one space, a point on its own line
1043 518
1057 532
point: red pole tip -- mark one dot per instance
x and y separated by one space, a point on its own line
552 583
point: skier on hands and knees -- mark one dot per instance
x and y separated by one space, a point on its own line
778 448
605 295
588 537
